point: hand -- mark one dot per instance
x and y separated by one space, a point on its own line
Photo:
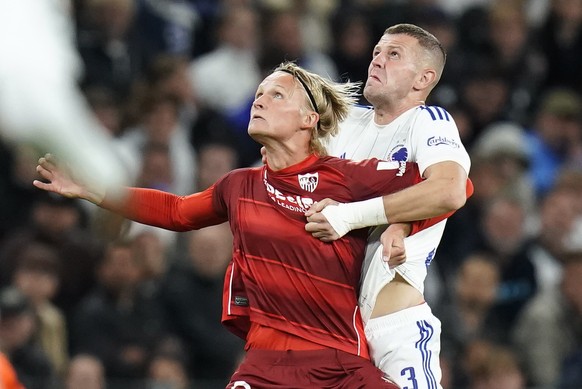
60 181
317 223
393 250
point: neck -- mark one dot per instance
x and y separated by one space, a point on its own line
387 113
281 156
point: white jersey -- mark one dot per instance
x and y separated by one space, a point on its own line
425 135
40 102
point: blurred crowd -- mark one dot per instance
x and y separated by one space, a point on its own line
88 300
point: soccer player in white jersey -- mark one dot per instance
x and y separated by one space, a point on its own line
403 334
40 102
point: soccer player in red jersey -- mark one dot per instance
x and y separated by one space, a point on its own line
294 298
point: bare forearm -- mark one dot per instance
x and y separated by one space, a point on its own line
425 200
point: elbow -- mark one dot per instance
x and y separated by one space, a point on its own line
455 200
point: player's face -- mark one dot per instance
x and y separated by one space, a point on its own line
394 68
276 111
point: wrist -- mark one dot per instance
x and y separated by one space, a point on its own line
352 216
94 196
403 230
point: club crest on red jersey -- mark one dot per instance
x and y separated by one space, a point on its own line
308 181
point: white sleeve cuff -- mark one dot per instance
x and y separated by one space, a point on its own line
352 216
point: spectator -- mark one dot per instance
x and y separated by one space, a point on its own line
504 234
116 322
555 138
18 332
353 44
37 276
214 160
558 217
496 367
212 75
549 328
284 41
560 38
110 46
85 372
168 370
467 314
60 223
159 125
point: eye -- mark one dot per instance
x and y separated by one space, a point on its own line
375 53
394 54
278 95
258 95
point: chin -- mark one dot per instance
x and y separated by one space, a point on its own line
256 135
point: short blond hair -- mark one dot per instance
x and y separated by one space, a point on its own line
431 45
331 100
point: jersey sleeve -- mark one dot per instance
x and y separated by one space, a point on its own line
373 177
436 139
169 211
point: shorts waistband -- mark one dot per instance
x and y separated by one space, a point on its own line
297 358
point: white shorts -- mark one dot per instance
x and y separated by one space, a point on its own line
406 346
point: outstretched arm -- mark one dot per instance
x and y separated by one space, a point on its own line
147 206
61 181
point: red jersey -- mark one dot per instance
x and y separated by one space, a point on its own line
8 377
280 276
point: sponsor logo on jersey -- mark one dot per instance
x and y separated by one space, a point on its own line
293 203
308 181
393 165
241 301
441 140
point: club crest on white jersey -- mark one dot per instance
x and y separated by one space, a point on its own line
308 181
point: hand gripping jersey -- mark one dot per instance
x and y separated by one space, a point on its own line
280 276
425 135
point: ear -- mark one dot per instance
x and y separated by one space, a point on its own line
310 120
425 79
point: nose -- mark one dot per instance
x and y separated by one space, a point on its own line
258 102
378 61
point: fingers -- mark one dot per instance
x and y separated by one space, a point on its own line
319 206
45 168
41 185
317 218
393 255
47 162
315 227
321 231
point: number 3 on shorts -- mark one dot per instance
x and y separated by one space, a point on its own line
241 384
409 371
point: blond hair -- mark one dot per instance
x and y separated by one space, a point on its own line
331 100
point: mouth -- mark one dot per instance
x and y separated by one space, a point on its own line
373 77
257 117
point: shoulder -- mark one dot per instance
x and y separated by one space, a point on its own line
358 119
360 111
433 113
344 165
241 174
232 182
